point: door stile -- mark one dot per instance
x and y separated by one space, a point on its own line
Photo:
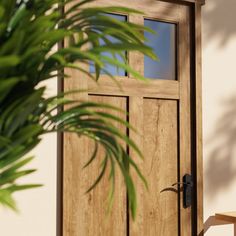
136 120
184 115
198 107
74 181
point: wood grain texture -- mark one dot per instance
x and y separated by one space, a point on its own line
136 59
85 214
158 208
74 149
202 2
198 98
150 8
96 216
184 114
136 107
160 111
131 87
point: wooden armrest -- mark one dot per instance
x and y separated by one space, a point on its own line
227 216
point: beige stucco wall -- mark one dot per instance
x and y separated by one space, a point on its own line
219 110
37 215
38 207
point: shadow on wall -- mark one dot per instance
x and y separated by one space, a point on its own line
221 167
220 20
219 25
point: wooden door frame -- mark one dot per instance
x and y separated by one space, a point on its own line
196 85
197 142
197 64
196 80
197 157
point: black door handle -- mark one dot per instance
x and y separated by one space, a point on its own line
187 190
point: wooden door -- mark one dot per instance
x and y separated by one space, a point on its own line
160 110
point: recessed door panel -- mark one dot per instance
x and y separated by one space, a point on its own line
87 213
161 161
158 213
113 70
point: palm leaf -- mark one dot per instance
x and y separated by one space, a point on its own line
28 32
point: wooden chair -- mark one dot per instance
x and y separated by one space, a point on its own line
221 219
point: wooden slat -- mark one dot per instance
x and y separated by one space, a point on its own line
130 87
184 113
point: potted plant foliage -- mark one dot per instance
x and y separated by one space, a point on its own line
29 30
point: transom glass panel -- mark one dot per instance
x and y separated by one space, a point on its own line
164 45
111 68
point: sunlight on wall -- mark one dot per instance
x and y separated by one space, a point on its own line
37 215
219 110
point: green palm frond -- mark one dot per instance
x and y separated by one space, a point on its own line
29 29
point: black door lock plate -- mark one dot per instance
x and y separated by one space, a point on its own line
187 190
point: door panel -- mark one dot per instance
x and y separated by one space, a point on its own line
159 206
160 146
86 214
97 200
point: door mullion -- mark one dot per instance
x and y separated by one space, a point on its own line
136 59
136 120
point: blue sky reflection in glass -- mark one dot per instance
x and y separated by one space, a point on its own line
112 69
164 45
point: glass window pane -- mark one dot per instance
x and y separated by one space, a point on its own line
163 44
110 68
